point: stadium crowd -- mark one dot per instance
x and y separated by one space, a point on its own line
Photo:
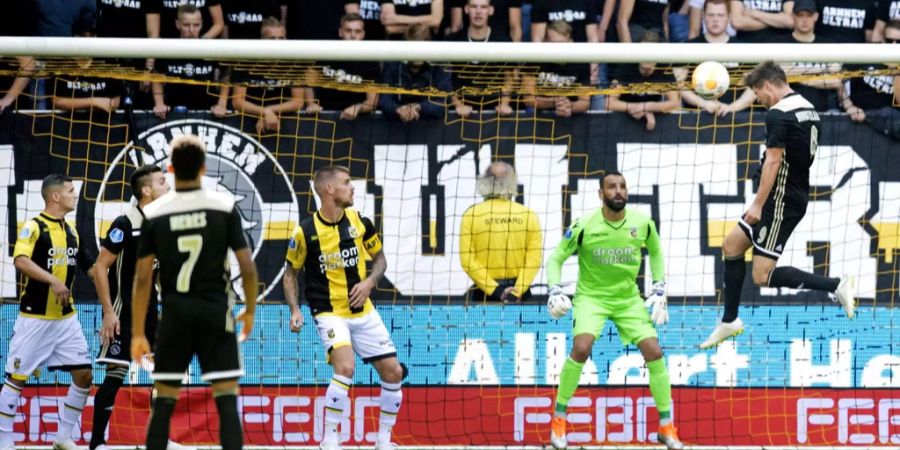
869 98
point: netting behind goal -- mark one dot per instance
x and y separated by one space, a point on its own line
482 373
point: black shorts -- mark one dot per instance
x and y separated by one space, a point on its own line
191 327
118 351
769 236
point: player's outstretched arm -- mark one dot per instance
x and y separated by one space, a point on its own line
140 297
110 327
250 280
567 246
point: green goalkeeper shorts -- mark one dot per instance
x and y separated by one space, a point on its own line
630 317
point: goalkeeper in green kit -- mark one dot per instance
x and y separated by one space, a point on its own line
609 243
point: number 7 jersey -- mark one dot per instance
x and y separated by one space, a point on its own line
190 233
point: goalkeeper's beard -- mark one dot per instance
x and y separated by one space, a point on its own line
615 204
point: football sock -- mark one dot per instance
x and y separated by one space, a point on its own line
568 383
335 400
390 400
735 270
791 277
104 401
661 390
158 430
74 403
9 402
230 434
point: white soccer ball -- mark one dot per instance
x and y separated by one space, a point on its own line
710 80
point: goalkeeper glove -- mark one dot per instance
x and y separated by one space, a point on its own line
656 301
558 303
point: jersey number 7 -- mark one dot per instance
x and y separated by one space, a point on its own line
190 244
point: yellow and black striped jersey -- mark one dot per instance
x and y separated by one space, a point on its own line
331 254
54 245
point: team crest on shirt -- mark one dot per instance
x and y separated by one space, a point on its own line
353 232
633 232
116 236
235 163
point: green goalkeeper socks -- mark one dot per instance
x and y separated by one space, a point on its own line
661 389
568 382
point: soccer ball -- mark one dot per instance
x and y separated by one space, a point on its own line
710 80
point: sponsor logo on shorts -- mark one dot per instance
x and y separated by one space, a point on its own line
762 235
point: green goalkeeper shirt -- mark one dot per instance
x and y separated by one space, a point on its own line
609 255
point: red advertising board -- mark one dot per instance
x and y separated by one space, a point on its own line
491 415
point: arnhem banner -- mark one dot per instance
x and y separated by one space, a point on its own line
483 374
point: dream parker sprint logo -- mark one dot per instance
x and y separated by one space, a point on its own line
235 163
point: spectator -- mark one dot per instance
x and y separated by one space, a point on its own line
162 14
715 19
846 21
122 19
315 19
544 91
506 18
190 96
415 76
761 21
370 10
264 97
608 12
338 73
679 21
696 19
819 92
71 93
874 98
636 17
581 15
398 15
500 240
888 11
244 18
478 30
643 105
56 18
11 86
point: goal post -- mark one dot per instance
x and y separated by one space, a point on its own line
482 375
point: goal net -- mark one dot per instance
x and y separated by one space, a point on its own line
483 373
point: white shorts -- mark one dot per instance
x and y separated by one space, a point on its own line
58 344
367 335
